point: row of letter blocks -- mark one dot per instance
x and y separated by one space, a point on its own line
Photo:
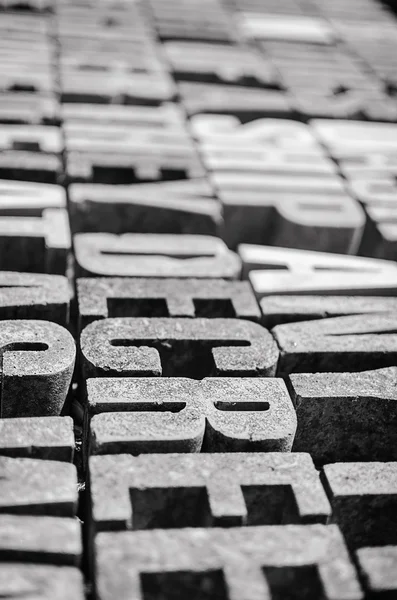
222 457
197 324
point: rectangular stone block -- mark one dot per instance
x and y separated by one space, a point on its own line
363 497
115 86
167 116
204 21
139 415
98 56
35 244
156 491
278 310
38 487
49 438
244 102
286 28
177 347
252 563
154 255
101 298
352 343
47 582
368 166
272 161
34 296
52 540
193 61
346 416
344 136
292 272
146 208
38 359
30 152
352 104
296 211
145 156
378 196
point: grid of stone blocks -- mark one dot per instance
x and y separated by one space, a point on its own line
198 300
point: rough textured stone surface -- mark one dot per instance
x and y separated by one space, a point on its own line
277 310
34 296
47 582
251 563
363 497
378 569
52 540
101 298
146 255
50 438
183 415
145 208
38 360
177 347
353 343
286 271
35 244
37 487
192 490
346 416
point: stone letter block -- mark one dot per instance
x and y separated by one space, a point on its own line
145 208
35 244
101 298
38 360
55 540
50 438
346 416
378 569
192 490
243 102
34 296
28 199
38 487
247 563
277 310
363 497
31 152
286 271
194 348
47 582
182 415
289 209
353 343
154 255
